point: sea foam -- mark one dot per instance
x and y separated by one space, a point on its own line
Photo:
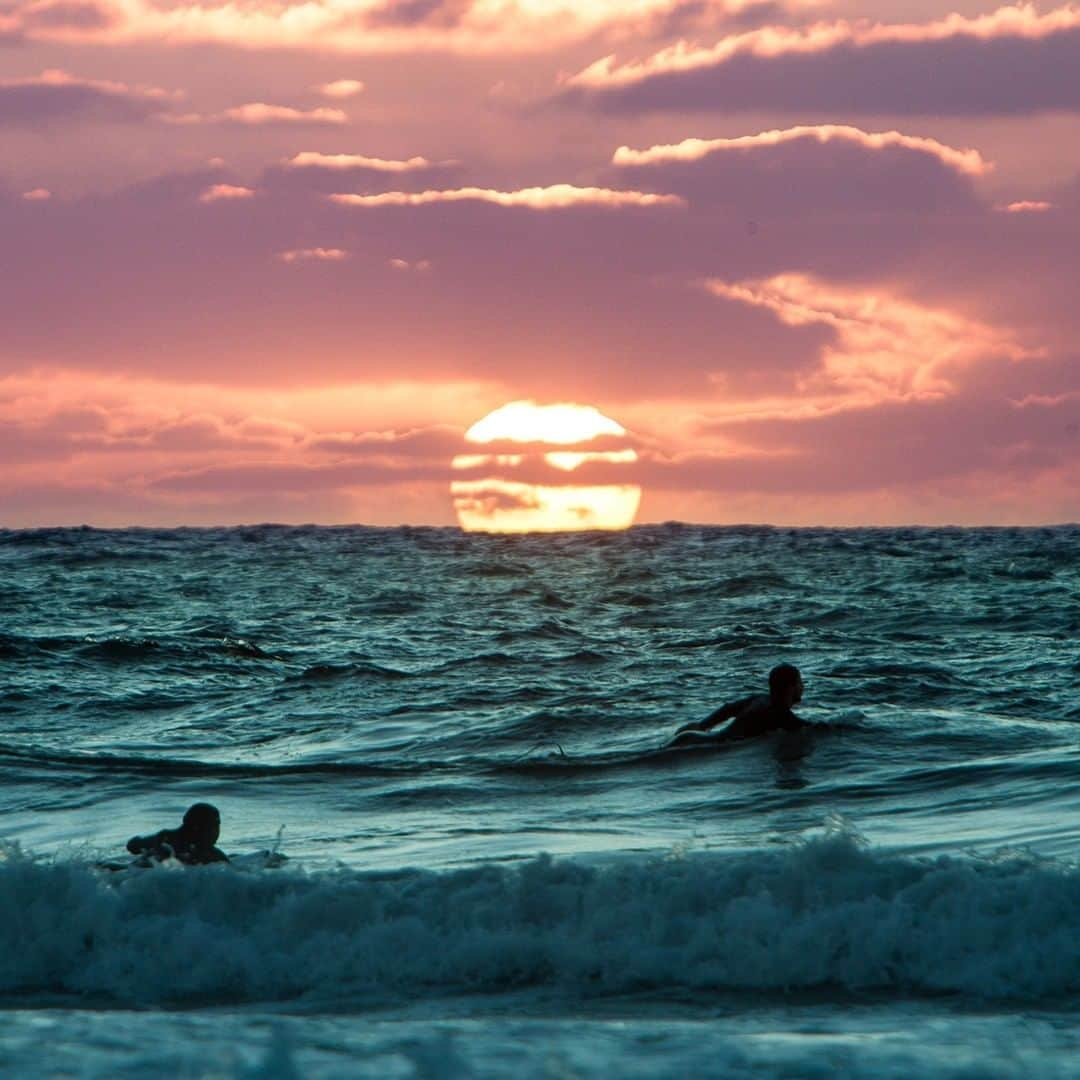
827 913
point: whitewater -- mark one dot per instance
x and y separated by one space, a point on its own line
459 846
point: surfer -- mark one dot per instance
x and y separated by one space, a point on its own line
755 715
193 843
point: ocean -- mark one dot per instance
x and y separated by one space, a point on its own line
459 846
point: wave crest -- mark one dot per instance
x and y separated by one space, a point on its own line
825 914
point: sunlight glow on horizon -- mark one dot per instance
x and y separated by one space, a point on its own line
493 505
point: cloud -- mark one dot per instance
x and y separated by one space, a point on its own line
51 437
592 296
970 162
826 167
55 97
311 170
436 443
903 445
260 477
420 266
445 14
219 192
67 432
259 114
378 26
1026 206
332 460
312 159
858 67
39 194
341 88
133 455
554 197
882 347
63 15
588 302
316 254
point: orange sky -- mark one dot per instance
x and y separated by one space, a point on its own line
269 263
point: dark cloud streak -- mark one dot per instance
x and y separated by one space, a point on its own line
961 75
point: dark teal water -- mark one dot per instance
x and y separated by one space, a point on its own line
414 716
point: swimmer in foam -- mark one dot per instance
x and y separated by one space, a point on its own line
192 844
755 715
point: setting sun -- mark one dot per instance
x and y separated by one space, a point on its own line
527 490
525 421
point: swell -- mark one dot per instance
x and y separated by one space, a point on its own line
122 650
913 768
167 768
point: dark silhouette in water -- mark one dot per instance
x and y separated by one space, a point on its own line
755 715
193 843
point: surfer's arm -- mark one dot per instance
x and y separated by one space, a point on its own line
725 712
157 845
722 715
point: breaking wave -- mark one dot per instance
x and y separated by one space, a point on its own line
827 914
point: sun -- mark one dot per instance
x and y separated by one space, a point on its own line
545 468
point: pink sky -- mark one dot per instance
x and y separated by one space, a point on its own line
269 263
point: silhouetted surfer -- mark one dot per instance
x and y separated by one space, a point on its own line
756 715
193 843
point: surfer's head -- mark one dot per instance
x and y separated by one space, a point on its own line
785 684
202 823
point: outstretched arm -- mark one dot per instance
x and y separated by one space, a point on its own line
719 716
141 845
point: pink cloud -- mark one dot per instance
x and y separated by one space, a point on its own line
261 477
969 161
311 170
810 169
39 194
259 114
219 192
55 97
311 159
124 455
341 88
903 445
436 443
584 297
316 254
858 67
377 26
56 18
882 346
554 197
1026 206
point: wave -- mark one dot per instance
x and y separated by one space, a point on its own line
160 768
828 914
129 650
360 669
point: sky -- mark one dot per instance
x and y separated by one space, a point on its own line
268 261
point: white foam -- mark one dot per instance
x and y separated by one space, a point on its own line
827 913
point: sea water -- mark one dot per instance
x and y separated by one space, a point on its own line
482 862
